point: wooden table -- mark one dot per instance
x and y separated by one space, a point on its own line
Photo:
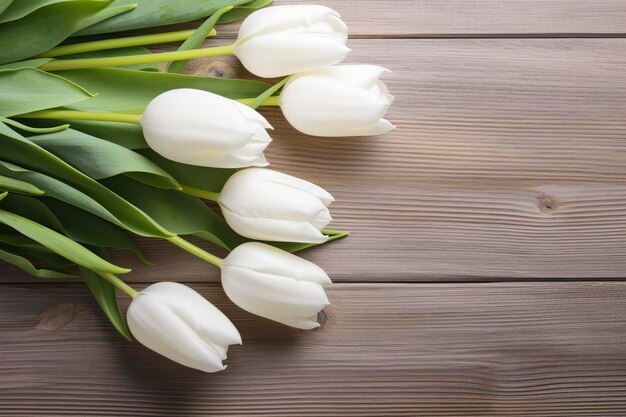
485 272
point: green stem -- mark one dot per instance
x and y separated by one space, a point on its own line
194 250
197 192
82 115
119 284
66 64
78 48
270 101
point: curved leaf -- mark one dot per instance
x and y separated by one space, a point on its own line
105 14
196 39
28 89
104 293
44 28
21 151
18 186
121 90
27 266
4 4
151 13
244 10
102 159
59 243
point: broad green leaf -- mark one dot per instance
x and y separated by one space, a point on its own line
27 266
127 135
22 8
121 90
19 186
102 159
177 212
105 14
27 89
23 246
73 222
203 178
244 10
4 4
151 13
104 293
58 189
19 150
196 39
294 247
59 243
44 28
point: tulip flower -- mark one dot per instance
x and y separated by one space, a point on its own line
275 284
200 128
269 205
178 323
272 42
345 100
284 40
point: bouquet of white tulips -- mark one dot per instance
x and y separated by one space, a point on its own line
99 143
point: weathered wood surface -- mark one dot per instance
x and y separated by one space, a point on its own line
549 349
508 164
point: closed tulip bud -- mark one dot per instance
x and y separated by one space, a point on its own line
284 40
275 284
178 323
268 205
200 128
346 100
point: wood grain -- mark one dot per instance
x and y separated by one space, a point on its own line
542 349
485 18
509 162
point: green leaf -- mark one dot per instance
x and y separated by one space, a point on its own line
203 178
104 293
294 247
196 39
244 10
4 4
27 89
31 129
151 13
44 28
105 14
122 90
75 223
19 150
18 186
268 93
180 213
59 243
27 266
102 159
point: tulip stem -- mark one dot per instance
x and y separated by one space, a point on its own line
194 250
82 115
119 284
78 48
270 101
197 192
116 61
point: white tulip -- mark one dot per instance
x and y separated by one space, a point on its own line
178 323
269 205
346 100
275 284
200 128
283 40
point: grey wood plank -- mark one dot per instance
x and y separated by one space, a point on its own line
509 162
540 349
432 18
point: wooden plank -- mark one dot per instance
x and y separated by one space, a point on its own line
433 18
541 349
509 162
